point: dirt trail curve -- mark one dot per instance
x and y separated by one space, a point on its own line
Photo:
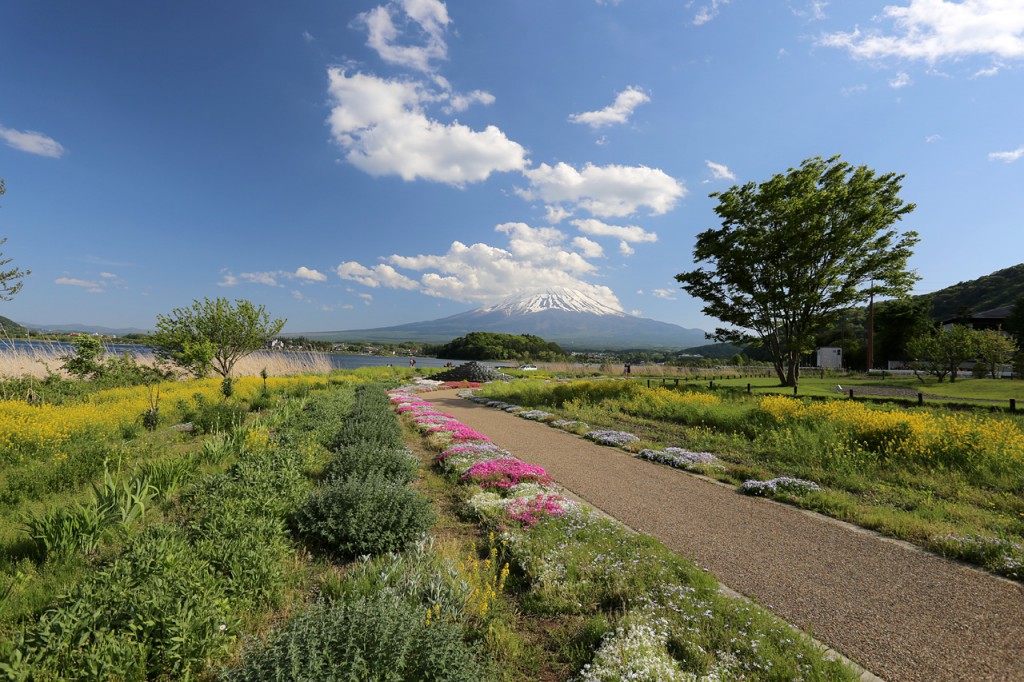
901 613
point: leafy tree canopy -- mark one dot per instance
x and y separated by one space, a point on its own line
493 346
213 334
795 251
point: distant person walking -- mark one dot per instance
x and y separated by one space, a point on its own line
412 362
626 369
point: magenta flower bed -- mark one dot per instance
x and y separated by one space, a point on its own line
458 431
532 510
505 473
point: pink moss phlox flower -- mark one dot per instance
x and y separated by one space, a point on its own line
505 473
457 431
531 510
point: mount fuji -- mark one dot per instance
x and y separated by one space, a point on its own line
570 318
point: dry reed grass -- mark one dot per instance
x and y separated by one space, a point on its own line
618 369
39 361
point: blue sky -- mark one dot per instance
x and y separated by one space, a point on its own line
357 164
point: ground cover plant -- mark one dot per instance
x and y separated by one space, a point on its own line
642 612
949 481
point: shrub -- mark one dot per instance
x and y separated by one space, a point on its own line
368 638
367 515
398 465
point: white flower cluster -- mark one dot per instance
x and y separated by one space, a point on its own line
638 651
784 484
680 458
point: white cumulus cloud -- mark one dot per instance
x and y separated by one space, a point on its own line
932 30
309 274
534 258
1008 157
383 127
625 249
605 191
626 233
426 19
617 112
380 275
32 142
588 248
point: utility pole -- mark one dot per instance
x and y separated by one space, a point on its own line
871 328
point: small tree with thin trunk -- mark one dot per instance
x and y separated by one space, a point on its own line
943 351
10 280
995 349
213 334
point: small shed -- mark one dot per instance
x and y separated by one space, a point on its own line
830 358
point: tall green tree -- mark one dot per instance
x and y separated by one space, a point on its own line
213 334
10 279
795 251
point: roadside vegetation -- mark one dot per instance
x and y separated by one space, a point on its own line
949 481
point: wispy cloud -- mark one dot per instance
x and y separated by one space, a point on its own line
92 286
853 90
708 11
667 294
1007 157
617 112
900 80
720 171
271 278
627 233
32 142
425 21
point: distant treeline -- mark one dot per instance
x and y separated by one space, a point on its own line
491 346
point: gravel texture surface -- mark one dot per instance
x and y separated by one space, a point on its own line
902 613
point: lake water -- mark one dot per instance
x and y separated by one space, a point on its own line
337 360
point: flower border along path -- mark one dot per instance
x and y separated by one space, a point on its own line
902 613
664 618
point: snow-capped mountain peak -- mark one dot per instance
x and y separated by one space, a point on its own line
554 298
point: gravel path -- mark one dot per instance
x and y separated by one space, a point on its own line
902 613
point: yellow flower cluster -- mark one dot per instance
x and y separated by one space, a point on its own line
30 430
667 403
485 580
953 439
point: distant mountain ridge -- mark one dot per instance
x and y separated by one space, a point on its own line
570 318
